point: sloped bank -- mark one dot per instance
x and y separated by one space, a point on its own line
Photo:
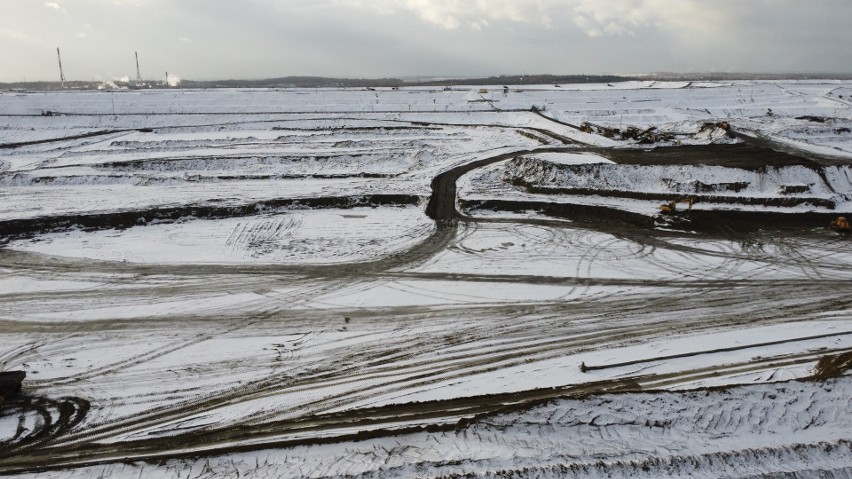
735 188
810 186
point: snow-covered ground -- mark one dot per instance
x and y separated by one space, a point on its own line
735 433
324 236
264 283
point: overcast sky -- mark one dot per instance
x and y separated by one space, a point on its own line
218 39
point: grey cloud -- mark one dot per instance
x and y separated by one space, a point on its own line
263 38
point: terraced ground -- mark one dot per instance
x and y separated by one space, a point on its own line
404 283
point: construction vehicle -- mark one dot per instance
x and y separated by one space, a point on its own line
671 206
841 225
10 384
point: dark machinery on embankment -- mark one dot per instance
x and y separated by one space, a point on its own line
10 384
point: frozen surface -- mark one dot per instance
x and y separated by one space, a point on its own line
325 236
238 332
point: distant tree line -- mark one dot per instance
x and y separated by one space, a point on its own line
324 82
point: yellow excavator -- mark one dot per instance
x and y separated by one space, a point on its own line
841 225
671 206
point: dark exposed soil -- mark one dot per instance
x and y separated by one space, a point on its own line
741 155
581 215
700 198
24 228
832 366
705 221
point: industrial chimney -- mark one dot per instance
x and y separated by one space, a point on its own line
61 73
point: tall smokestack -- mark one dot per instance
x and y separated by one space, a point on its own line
61 73
138 75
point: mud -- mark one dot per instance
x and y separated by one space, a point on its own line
600 217
705 221
442 202
832 366
702 198
744 155
54 418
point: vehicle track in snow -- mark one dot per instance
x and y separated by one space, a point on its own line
333 369
319 429
476 355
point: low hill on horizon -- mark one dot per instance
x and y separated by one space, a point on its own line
331 82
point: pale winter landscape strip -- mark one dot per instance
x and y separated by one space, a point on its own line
428 282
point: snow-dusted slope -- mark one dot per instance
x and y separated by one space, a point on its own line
831 183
